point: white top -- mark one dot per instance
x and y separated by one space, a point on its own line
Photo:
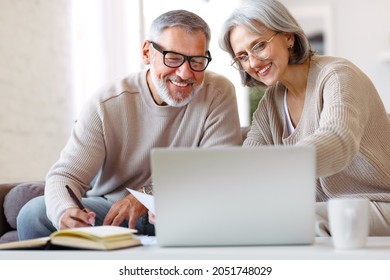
290 127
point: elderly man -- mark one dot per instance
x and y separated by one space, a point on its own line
175 103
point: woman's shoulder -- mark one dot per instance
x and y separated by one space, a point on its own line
324 61
322 66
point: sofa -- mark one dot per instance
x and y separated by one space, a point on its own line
12 197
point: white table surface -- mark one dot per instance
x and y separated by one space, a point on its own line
378 248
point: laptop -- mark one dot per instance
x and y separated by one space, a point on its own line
234 196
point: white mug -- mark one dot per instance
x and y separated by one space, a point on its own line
349 222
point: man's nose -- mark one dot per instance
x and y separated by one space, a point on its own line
184 71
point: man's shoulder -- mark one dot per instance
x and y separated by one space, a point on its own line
214 77
217 81
131 84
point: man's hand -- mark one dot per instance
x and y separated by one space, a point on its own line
128 208
74 217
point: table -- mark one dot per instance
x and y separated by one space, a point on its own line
378 248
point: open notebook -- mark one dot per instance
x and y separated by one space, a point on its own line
97 238
234 196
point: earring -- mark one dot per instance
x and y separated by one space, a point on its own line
290 47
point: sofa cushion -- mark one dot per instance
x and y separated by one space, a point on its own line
17 197
9 236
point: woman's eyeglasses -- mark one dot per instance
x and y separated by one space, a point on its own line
260 50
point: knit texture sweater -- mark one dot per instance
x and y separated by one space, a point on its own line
109 147
346 121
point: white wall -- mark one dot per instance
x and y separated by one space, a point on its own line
53 55
360 32
37 86
35 82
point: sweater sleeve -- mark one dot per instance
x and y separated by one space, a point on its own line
267 121
79 163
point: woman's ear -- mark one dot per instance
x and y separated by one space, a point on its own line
290 40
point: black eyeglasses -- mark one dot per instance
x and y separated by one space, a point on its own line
198 63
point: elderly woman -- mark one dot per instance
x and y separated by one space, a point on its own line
316 100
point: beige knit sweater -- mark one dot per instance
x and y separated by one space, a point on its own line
345 119
109 147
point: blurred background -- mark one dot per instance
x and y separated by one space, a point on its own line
55 54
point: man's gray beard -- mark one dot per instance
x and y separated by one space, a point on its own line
162 91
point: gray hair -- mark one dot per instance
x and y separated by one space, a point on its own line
189 21
274 16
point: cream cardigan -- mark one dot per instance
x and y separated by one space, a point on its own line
345 119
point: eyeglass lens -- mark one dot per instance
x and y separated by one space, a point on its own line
261 50
197 63
175 60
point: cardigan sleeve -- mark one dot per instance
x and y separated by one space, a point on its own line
345 111
267 121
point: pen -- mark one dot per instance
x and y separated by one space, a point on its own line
75 199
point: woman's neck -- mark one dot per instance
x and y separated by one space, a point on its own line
296 79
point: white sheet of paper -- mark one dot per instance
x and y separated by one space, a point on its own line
145 199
